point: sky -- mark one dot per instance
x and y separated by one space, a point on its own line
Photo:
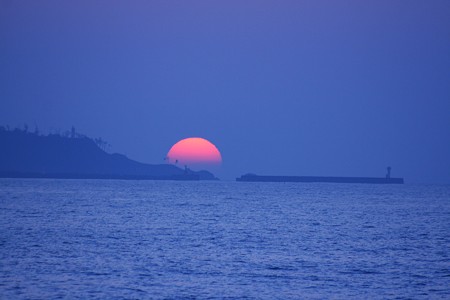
333 88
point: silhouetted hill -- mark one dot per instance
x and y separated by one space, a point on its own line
25 154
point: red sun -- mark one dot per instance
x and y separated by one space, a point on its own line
195 151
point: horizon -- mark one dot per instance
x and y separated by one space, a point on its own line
196 166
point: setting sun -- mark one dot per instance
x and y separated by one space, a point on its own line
194 151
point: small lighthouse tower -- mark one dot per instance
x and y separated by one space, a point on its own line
388 174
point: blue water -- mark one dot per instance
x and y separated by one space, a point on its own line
111 239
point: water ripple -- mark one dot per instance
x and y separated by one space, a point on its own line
112 239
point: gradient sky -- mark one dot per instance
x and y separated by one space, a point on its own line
280 87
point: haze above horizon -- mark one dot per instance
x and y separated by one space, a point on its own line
290 88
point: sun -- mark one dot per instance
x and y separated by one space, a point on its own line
194 152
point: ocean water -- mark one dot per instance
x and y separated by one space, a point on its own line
112 239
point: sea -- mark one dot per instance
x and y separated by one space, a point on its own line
125 239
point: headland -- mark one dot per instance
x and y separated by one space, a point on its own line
25 154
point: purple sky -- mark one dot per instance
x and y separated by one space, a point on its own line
281 87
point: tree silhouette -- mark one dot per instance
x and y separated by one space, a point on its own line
101 143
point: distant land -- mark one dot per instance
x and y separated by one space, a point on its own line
25 154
